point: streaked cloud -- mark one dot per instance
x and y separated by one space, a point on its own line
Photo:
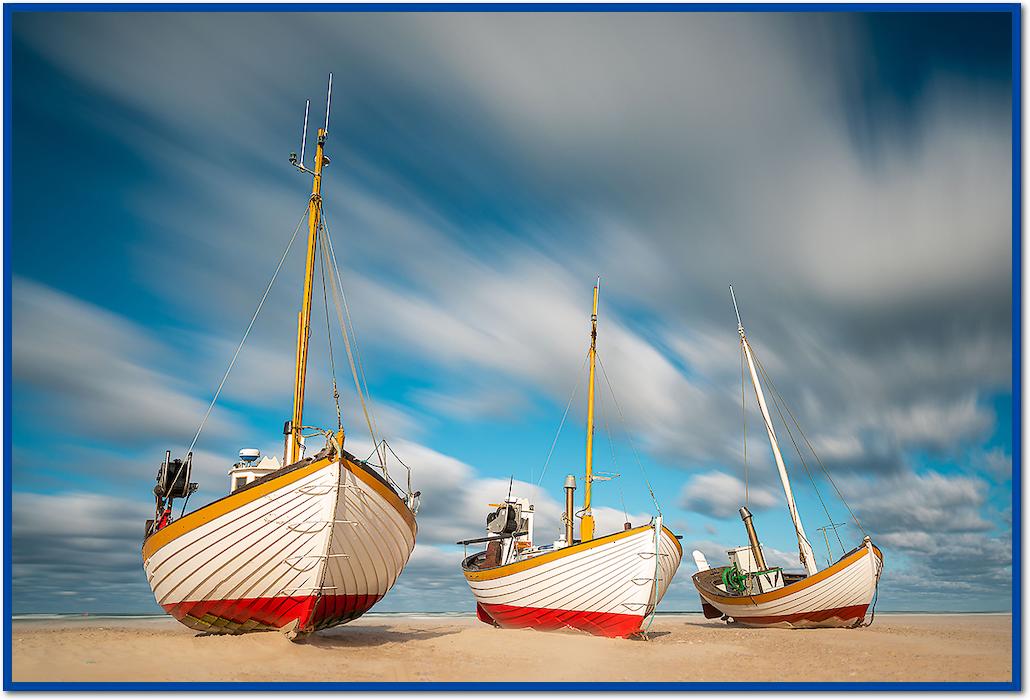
719 495
486 166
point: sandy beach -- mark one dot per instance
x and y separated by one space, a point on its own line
682 648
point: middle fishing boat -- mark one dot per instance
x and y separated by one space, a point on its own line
606 585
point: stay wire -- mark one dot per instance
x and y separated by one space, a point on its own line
400 461
359 384
350 323
350 358
607 430
629 438
653 601
820 462
575 389
329 336
186 500
246 334
769 426
777 400
611 446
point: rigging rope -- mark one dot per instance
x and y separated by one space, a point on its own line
186 500
820 462
777 399
337 293
654 588
876 594
329 336
357 370
795 515
611 442
575 388
389 447
622 418
246 333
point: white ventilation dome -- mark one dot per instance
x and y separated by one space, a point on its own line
249 454
249 469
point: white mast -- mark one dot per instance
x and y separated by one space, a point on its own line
805 549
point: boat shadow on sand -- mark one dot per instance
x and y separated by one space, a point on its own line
352 637
373 636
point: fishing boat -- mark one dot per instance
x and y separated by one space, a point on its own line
605 585
750 592
300 545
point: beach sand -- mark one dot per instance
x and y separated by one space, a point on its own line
682 648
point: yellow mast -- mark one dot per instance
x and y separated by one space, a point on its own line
293 447
586 530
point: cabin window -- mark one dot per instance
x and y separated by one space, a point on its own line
241 481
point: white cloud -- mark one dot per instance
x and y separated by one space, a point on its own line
431 581
96 371
613 520
940 425
720 495
78 543
995 462
929 502
483 403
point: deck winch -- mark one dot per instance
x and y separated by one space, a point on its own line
734 579
173 481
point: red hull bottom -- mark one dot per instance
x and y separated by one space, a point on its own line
834 617
549 620
303 613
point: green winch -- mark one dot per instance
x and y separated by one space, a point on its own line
734 579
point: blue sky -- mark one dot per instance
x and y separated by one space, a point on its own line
849 174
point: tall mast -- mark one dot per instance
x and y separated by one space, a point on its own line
293 440
804 548
586 530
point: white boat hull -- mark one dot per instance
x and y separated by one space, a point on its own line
837 596
606 586
309 547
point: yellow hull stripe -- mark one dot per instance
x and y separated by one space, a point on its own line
206 514
675 541
515 567
795 587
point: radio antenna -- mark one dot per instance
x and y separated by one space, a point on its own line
304 133
328 102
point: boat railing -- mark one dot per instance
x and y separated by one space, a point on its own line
411 496
334 443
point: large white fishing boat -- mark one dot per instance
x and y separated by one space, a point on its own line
606 585
300 547
750 592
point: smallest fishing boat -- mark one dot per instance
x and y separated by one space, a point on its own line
750 592
605 585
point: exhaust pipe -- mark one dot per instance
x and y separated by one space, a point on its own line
745 515
570 488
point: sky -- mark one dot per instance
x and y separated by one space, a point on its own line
849 174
